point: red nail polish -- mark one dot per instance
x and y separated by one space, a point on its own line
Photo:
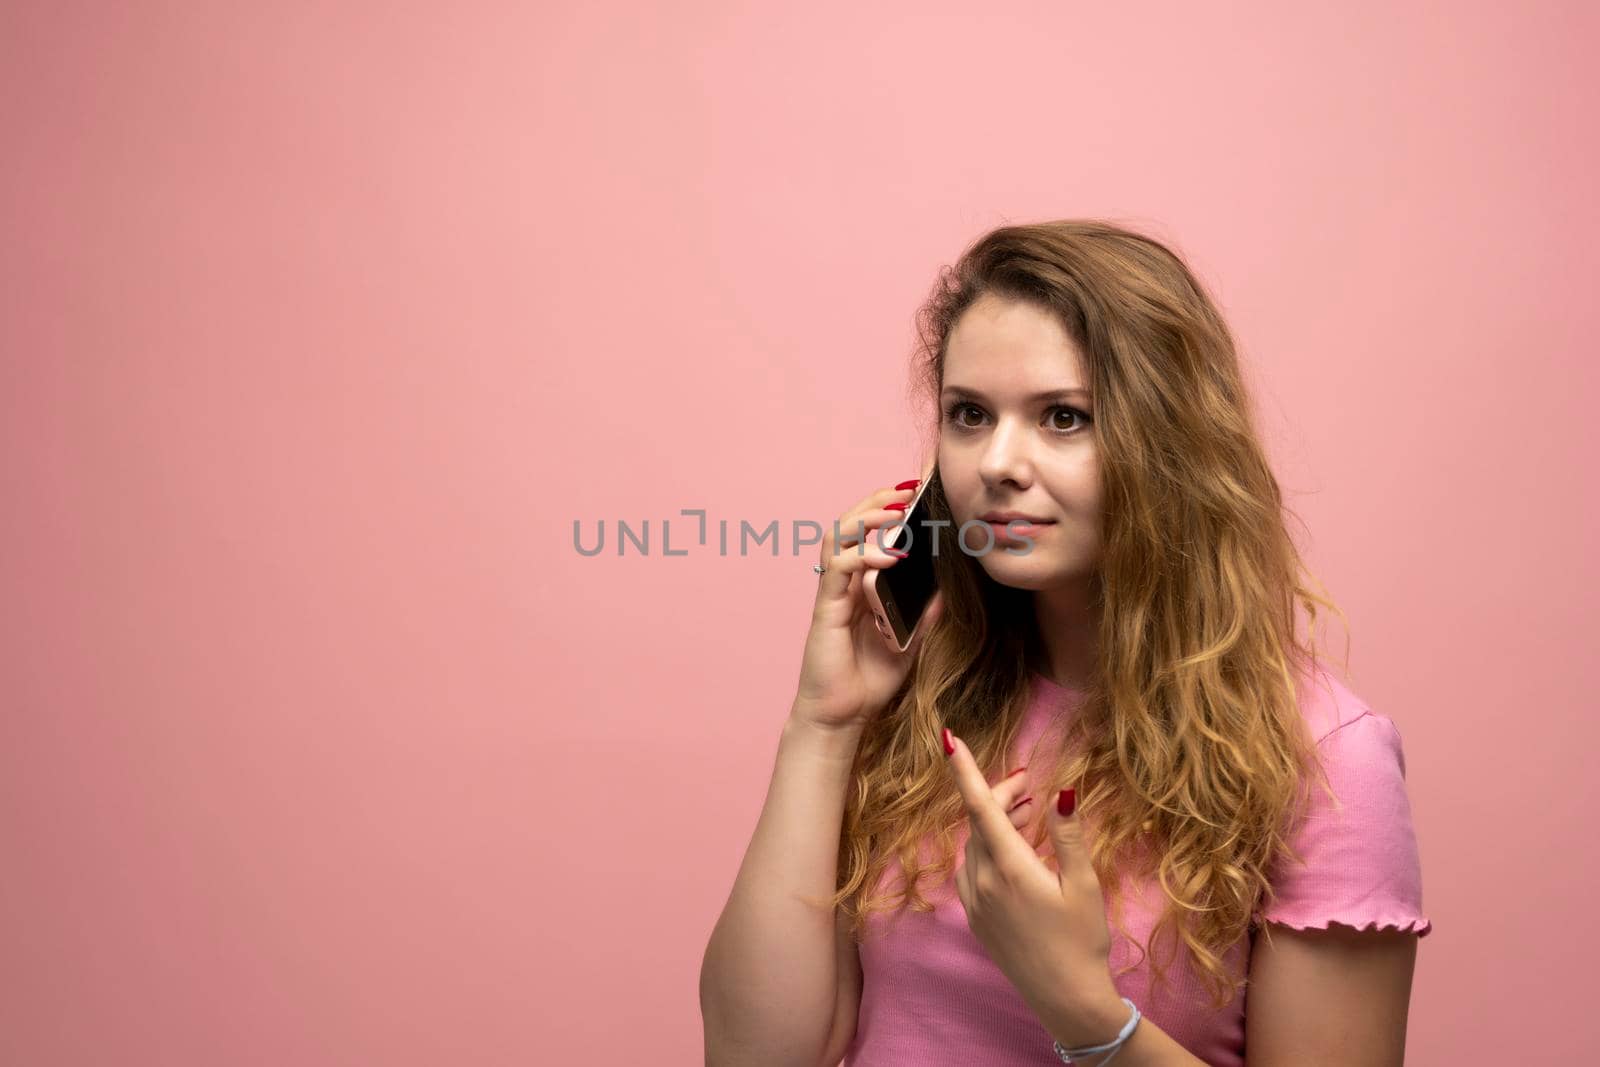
1016 772
1067 802
949 747
896 506
912 484
1021 803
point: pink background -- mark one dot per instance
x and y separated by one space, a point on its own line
321 323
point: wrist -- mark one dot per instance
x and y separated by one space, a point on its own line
1089 1020
829 741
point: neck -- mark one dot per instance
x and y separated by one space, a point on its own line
1069 627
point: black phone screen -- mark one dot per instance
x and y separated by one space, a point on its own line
906 587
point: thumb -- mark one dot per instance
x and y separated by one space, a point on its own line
1066 835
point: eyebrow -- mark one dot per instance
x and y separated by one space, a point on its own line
1049 394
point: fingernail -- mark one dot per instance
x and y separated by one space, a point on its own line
949 746
1020 803
896 506
912 484
1016 772
1067 802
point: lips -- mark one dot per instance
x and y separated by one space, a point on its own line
1001 518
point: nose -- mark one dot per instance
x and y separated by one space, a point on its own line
1006 457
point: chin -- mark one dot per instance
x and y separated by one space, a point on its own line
1034 571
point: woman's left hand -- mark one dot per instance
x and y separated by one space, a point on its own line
1045 930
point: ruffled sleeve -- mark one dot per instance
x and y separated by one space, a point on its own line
1362 867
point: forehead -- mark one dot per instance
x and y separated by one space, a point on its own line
1002 344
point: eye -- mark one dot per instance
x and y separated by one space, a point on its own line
1082 418
954 412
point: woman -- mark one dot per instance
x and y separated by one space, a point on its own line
1193 803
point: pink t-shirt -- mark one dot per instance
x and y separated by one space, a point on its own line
931 995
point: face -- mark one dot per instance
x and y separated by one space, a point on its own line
1016 435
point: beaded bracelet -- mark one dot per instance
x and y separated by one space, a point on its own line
1113 1047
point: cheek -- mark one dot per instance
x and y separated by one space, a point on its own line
1077 487
1090 495
957 475
1085 477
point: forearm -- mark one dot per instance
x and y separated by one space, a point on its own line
769 981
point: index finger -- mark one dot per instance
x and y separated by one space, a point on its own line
992 825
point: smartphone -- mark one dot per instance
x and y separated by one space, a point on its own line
898 595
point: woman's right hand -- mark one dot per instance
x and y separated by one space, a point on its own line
849 670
